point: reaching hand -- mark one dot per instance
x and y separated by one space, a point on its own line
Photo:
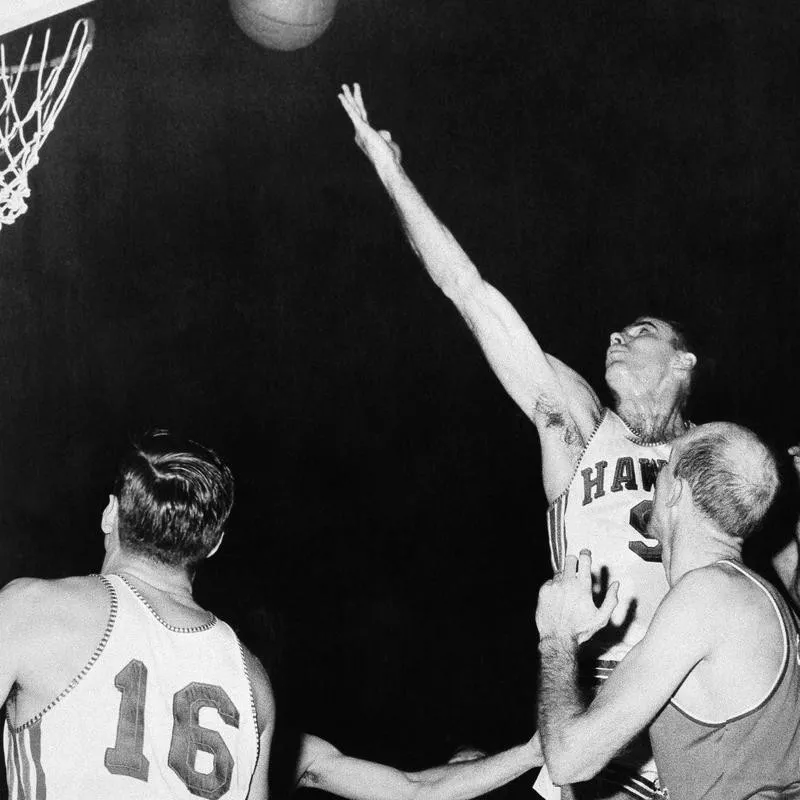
566 607
376 145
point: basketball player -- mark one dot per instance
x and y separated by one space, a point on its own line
119 685
468 774
786 559
598 465
718 671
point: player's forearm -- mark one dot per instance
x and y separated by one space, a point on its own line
442 256
570 750
474 778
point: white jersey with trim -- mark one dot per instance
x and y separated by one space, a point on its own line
605 508
158 712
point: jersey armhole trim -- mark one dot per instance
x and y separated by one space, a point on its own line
112 618
781 672
253 711
580 457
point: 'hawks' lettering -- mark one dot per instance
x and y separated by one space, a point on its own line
597 483
625 476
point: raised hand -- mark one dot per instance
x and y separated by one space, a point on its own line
566 608
376 145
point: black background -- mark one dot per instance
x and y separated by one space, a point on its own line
207 250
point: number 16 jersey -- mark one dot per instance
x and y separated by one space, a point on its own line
605 508
157 712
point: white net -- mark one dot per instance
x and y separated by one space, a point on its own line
34 90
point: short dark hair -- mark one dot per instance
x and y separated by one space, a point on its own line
732 473
174 496
680 341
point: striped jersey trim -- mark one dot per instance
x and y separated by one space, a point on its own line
614 775
24 771
557 532
112 618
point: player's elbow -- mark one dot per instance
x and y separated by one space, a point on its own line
573 762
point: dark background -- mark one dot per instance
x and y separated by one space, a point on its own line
207 250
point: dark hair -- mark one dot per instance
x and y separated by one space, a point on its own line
174 499
732 474
680 341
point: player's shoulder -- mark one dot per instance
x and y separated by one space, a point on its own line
262 688
43 598
708 591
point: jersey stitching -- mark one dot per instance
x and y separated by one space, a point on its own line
580 457
252 698
112 617
159 619
781 672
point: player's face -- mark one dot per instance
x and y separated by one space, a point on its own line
640 357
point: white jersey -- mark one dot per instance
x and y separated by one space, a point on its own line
605 509
157 712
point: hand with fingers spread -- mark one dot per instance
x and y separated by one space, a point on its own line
566 608
376 145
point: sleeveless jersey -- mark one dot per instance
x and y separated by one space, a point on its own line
157 712
755 754
605 508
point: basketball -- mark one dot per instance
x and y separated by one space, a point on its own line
283 24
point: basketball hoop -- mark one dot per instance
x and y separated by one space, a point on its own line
35 92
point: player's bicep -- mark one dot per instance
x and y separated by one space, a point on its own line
513 353
648 676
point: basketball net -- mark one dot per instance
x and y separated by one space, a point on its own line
28 112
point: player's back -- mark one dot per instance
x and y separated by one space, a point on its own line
112 700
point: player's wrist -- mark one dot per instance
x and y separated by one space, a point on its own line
558 641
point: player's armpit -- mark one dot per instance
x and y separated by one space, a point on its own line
548 392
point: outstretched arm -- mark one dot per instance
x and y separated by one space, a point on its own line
322 766
545 389
785 561
578 741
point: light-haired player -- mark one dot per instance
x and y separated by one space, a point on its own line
717 675
599 465
120 685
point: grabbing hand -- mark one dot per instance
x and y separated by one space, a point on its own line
376 145
566 607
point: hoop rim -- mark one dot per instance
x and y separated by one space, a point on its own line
82 47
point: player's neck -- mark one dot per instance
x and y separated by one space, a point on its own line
652 419
695 546
175 583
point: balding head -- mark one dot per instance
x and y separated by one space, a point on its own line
732 474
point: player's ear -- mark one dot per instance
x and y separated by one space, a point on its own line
108 522
684 362
676 492
217 545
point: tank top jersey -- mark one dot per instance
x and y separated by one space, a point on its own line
605 508
755 754
157 712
